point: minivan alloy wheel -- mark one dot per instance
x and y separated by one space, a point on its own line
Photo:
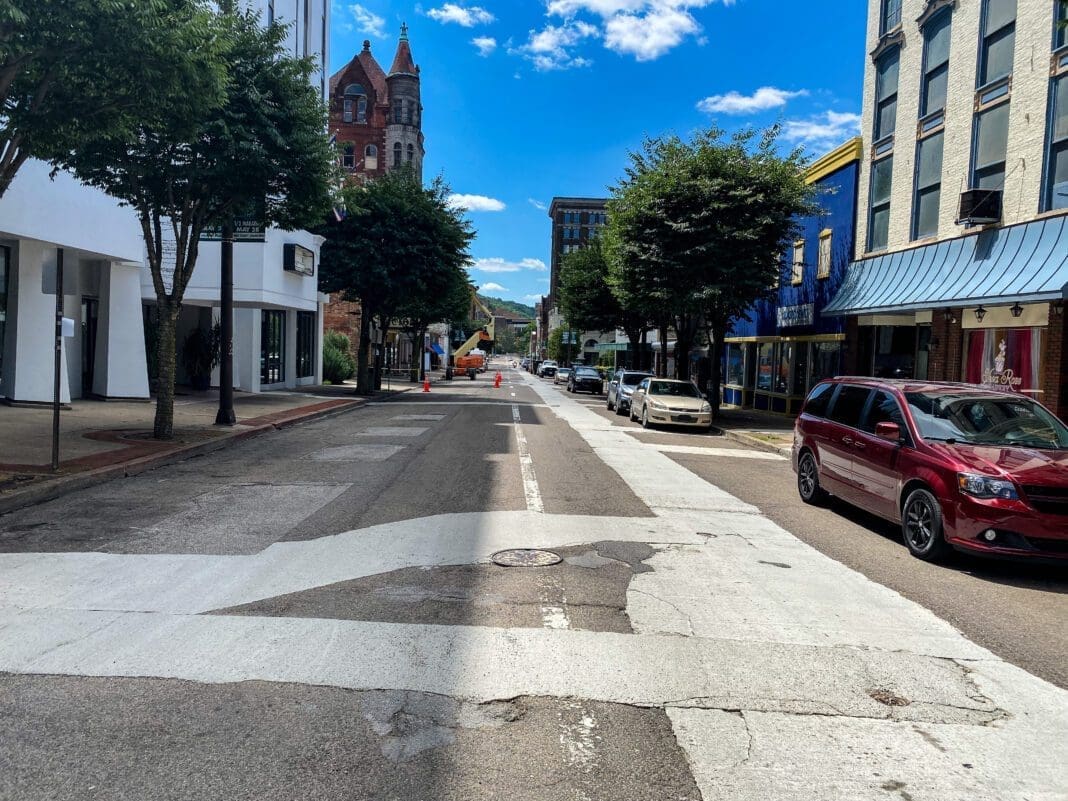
808 479
921 525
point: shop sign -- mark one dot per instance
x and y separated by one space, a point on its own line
795 316
298 259
1000 377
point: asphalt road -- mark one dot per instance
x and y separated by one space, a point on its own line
1018 611
150 734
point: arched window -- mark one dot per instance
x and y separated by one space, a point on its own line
396 154
355 106
348 160
370 158
411 153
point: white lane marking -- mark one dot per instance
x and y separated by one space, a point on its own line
737 453
526 465
554 614
393 431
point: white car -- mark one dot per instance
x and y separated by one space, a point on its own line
547 369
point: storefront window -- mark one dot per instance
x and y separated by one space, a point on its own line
895 351
5 257
272 347
1006 358
800 368
736 365
305 344
765 378
826 360
784 356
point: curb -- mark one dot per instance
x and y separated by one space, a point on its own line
756 442
51 490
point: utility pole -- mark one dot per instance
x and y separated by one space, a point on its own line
57 366
226 416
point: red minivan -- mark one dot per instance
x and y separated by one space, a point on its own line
957 465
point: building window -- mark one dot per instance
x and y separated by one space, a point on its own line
1055 190
305 344
270 13
307 27
272 346
1060 25
998 41
355 103
5 268
797 264
928 186
370 157
991 144
411 154
396 154
823 267
398 110
886 79
891 16
879 215
936 37
348 158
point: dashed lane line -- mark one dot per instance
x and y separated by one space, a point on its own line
526 465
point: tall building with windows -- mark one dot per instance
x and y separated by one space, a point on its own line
961 271
575 221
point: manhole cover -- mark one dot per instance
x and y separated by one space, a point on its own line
888 698
525 557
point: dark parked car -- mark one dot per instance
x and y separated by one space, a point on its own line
585 379
957 465
621 387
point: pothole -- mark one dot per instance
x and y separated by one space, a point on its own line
888 698
525 557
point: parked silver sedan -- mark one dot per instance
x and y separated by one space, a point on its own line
664 401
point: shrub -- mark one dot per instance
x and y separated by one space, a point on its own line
338 364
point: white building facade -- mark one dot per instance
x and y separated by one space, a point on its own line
108 291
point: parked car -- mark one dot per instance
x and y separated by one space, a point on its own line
620 387
547 369
561 375
956 465
665 401
585 379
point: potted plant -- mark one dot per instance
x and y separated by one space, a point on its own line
200 355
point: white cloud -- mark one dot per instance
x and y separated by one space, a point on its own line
824 130
533 298
485 45
467 17
764 98
544 281
367 21
537 204
499 265
493 287
550 48
475 203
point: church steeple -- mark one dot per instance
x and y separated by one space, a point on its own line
403 64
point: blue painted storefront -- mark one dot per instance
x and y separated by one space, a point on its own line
788 344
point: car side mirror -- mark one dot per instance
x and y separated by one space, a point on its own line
888 431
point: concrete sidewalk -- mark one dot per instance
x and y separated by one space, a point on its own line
101 440
763 430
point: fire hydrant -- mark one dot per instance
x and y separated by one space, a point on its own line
497 381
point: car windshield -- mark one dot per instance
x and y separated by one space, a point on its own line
587 372
633 379
1012 420
677 388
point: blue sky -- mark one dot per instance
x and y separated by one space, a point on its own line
527 99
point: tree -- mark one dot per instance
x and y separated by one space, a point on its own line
522 339
443 295
398 248
696 230
585 296
555 345
71 70
262 146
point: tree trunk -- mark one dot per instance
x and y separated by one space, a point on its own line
685 335
634 336
715 351
163 427
363 377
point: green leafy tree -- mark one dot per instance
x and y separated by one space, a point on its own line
262 145
522 339
555 346
506 340
395 252
444 295
585 296
338 365
71 70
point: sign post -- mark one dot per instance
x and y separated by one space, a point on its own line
58 361
225 415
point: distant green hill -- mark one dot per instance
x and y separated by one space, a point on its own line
518 309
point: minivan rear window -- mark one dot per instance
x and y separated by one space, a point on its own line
848 405
816 405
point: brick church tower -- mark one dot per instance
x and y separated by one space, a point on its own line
377 121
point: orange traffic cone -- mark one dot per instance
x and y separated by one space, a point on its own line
426 383
497 381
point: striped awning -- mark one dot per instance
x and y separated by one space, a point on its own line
1026 263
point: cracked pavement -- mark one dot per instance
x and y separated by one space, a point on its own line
330 625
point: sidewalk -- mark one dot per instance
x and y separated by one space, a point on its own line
101 440
763 430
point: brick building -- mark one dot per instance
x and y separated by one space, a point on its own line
376 119
962 234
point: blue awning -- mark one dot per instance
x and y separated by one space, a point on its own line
434 346
1025 263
